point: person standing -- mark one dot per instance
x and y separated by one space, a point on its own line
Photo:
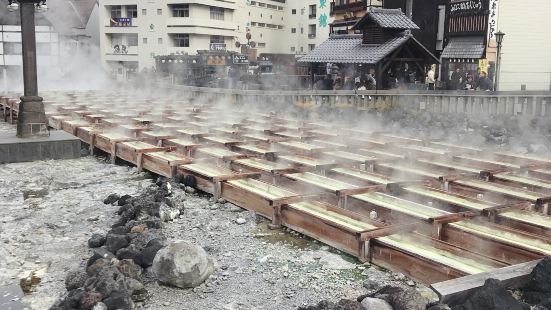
455 80
430 79
484 83
329 68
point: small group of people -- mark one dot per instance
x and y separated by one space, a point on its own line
468 81
343 82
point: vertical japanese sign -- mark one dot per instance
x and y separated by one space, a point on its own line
492 20
323 19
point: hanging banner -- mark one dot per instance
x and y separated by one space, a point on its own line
466 7
492 20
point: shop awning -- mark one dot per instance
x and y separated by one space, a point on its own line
464 47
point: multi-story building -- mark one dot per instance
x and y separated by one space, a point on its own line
133 32
61 33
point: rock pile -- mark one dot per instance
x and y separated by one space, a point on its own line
385 298
535 294
112 277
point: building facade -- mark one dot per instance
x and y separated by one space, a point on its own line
63 33
526 51
133 32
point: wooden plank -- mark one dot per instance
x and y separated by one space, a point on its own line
453 291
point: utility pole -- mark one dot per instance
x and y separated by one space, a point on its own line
31 117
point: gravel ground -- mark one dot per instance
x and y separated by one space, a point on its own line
48 210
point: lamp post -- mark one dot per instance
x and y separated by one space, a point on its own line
499 39
31 115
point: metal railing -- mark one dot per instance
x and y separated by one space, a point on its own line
533 104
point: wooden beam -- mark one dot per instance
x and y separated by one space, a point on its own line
454 291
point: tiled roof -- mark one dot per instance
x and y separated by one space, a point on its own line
349 49
387 18
464 47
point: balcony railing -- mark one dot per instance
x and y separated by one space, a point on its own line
344 6
311 36
312 16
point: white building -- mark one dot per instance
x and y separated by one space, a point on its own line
526 52
61 33
132 32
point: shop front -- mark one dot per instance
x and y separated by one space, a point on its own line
464 54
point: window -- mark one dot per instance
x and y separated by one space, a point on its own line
12 48
116 11
132 11
144 12
159 11
312 31
302 49
261 44
294 11
301 30
144 40
181 39
311 47
293 30
216 13
132 40
292 49
160 41
312 11
180 10
216 39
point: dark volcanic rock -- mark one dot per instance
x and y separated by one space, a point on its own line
146 256
129 269
96 241
111 199
75 279
538 287
119 230
89 299
118 300
114 242
98 254
400 298
123 200
491 296
109 280
127 253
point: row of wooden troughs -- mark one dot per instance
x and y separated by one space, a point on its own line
433 210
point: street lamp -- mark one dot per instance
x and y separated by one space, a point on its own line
499 39
31 117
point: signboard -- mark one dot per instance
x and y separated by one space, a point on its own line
492 20
466 7
241 59
216 61
121 22
483 65
218 47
